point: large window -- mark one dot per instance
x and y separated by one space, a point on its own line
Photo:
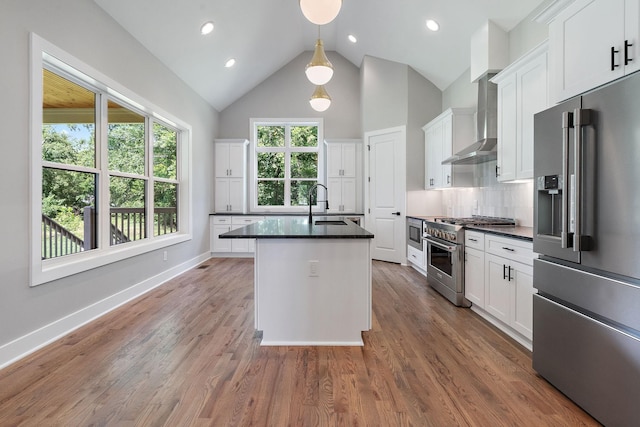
109 170
287 163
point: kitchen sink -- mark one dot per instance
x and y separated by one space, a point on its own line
330 222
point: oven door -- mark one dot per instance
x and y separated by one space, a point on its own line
444 263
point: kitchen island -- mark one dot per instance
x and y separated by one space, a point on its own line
312 280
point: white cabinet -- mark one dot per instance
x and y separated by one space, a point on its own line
509 283
229 195
217 226
222 224
522 92
448 133
593 42
418 257
474 267
230 172
344 172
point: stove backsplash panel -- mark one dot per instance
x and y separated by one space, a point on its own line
499 200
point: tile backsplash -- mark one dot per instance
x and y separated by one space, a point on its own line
501 200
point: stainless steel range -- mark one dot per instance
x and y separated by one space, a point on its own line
445 253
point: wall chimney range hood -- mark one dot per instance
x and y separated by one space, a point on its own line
489 54
484 149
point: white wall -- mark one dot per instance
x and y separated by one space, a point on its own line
423 101
82 29
286 93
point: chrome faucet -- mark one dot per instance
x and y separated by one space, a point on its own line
326 193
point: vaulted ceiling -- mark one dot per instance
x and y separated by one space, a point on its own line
264 35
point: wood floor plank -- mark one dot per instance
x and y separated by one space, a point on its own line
186 354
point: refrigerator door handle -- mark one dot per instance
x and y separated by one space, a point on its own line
567 124
582 118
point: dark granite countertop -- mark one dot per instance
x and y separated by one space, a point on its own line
297 227
518 232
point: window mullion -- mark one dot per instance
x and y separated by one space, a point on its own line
149 202
102 161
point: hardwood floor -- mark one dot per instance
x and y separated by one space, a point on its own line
186 354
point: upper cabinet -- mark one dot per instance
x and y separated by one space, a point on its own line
522 92
344 172
230 171
592 42
230 160
448 133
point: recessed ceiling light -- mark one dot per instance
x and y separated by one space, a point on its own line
206 28
352 38
432 25
230 63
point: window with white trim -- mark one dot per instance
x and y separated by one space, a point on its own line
287 161
110 170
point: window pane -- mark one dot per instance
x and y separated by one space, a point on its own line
126 140
271 193
270 136
270 165
165 202
68 212
165 149
68 117
304 136
304 165
127 209
300 193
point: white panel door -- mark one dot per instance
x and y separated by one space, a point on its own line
349 160
507 129
386 191
349 194
236 194
221 201
236 160
222 160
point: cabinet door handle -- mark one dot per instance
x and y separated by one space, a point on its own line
627 45
448 179
473 240
613 58
497 169
508 249
504 272
509 274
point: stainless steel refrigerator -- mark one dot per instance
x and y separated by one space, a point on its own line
586 314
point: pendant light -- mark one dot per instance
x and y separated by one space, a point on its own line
320 12
320 100
319 71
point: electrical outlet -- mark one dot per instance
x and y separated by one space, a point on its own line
313 268
164 256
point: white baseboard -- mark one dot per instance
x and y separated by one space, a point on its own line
523 341
27 344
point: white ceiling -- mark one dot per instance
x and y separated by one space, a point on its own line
264 35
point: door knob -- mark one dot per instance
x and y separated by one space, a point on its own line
396 213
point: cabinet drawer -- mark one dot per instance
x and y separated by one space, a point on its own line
474 239
416 256
245 220
513 249
222 220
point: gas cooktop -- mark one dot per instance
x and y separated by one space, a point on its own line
477 220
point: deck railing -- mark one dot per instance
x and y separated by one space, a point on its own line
57 240
127 224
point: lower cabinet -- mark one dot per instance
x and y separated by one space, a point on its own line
418 257
503 294
474 267
222 224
